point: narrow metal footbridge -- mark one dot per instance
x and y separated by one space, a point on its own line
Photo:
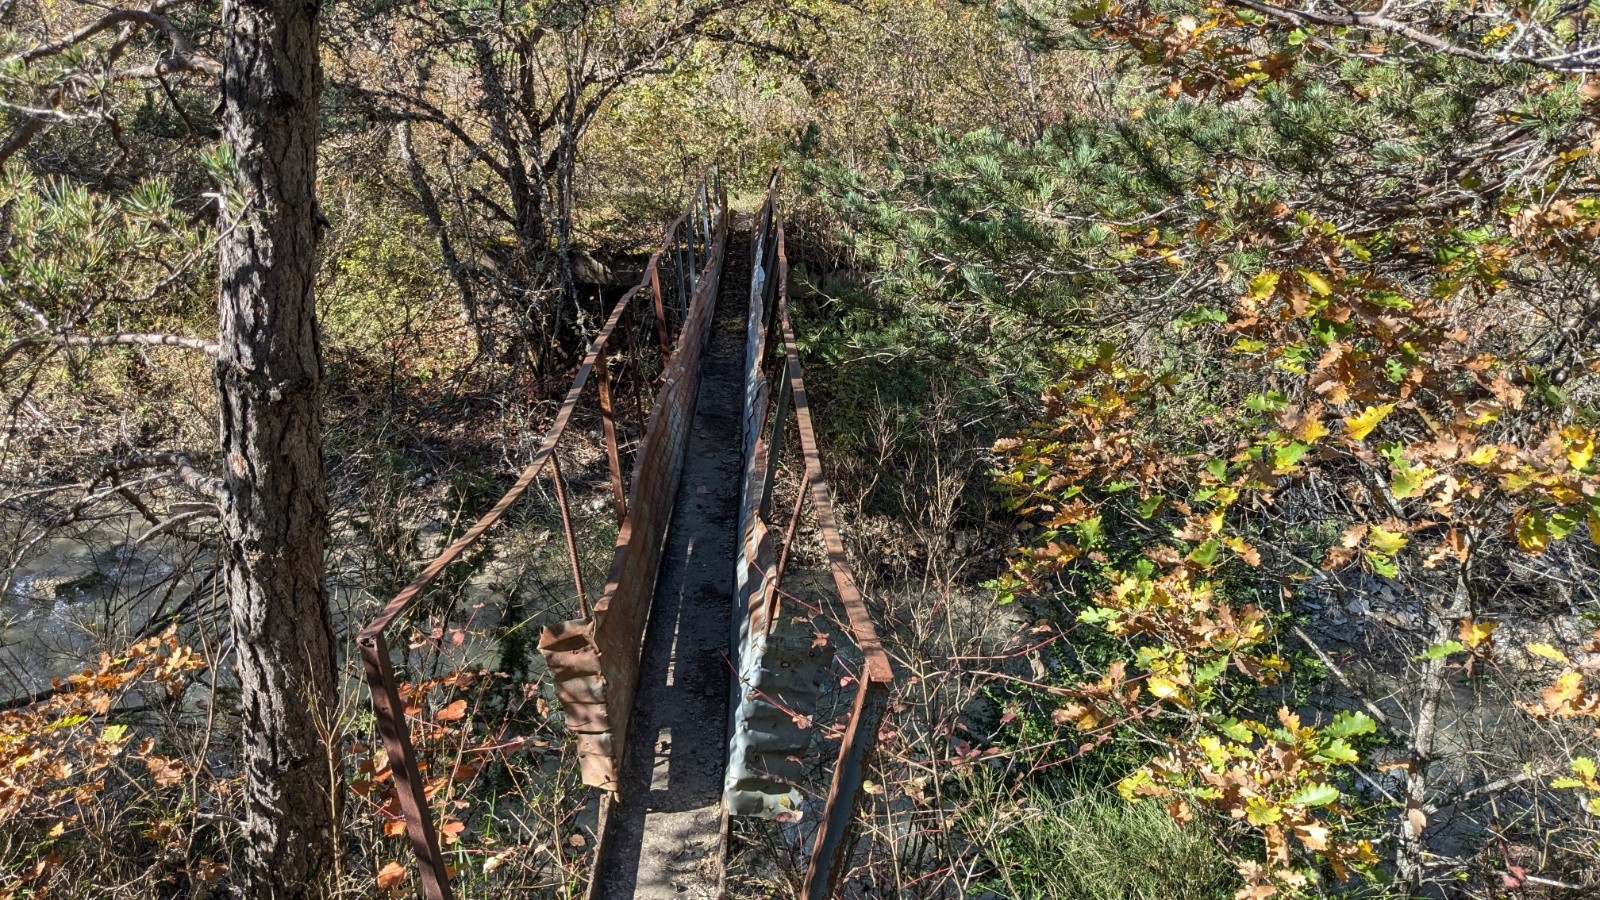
687 695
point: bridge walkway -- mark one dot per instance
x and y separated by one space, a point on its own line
663 836
692 600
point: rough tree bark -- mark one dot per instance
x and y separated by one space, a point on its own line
269 374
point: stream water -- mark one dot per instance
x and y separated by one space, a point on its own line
75 594
78 593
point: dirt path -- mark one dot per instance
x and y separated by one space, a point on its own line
662 841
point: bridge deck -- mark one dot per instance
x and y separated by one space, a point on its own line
654 649
663 837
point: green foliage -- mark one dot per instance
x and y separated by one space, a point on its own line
79 264
1291 260
379 289
1076 840
84 259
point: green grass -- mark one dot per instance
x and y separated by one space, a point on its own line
1092 845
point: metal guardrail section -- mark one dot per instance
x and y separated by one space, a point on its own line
594 659
765 743
582 685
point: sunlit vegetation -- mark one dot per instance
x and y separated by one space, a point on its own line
1210 389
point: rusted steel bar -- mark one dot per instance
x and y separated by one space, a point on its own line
704 209
408 786
566 528
594 661
423 581
783 557
830 853
661 312
861 627
771 266
690 275
608 425
388 710
374 646
681 261
780 419
637 381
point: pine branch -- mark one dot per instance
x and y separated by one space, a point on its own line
183 50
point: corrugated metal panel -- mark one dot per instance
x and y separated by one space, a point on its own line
595 661
776 667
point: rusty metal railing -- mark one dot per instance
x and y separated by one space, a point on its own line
753 787
594 659
671 281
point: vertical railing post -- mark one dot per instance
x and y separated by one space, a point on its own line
831 851
638 375
608 424
661 311
783 555
408 787
572 542
769 264
705 216
692 224
679 259
775 445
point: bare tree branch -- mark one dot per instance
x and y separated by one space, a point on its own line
1579 61
183 57
183 50
107 340
177 521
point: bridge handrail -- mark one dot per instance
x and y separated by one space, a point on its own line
771 323
681 240
593 660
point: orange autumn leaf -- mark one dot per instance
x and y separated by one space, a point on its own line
391 876
167 772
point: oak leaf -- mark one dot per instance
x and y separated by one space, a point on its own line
1359 426
391 876
452 713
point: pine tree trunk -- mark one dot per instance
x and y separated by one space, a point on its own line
269 374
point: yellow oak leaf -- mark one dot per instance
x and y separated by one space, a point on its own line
1547 651
1385 541
1475 633
1311 431
1533 532
1163 688
1580 446
1317 283
1359 426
